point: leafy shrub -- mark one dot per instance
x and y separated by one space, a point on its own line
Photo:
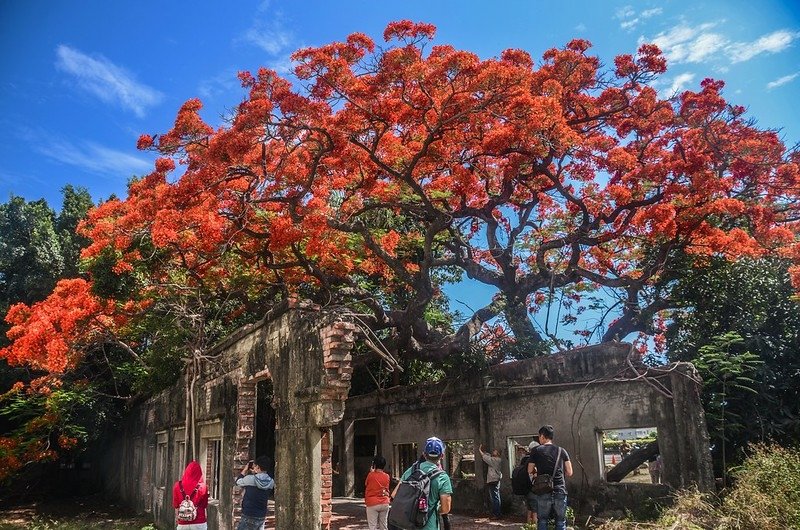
766 495
767 489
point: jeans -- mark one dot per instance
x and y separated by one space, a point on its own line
494 496
531 501
377 517
251 523
552 502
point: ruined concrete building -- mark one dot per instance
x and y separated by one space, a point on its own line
280 388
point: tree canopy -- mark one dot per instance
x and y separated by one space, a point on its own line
380 172
38 247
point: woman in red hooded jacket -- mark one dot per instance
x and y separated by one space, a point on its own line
191 484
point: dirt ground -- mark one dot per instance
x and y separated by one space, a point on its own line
93 513
74 514
349 514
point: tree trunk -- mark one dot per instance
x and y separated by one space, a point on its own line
632 461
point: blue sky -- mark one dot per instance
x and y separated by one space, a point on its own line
79 81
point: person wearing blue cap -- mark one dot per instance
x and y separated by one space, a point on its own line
439 498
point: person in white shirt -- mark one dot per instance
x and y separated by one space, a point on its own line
493 476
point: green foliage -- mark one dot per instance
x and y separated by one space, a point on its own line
74 414
615 444
767 490
37 248
754 301
728 385
75 205
30 252
766 495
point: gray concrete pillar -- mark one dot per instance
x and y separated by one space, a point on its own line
297 478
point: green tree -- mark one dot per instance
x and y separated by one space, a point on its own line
755 301
727 385
30 252
75 204
37 248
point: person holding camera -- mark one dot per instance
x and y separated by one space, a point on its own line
257 485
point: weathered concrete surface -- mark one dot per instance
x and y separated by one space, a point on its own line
581 393
306 354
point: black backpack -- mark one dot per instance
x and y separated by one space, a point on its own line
520 480
410 508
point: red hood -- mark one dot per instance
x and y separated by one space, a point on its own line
191 476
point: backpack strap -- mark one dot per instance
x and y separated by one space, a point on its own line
435 473
180 485
555 467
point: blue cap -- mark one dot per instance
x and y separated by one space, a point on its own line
434 446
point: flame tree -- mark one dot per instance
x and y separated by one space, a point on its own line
381 171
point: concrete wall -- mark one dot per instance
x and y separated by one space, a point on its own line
580 393
306 354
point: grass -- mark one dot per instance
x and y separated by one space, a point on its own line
766 494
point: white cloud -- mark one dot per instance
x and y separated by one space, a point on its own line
625 12
647 13
580 27
774 42
272 40
704 46
95 158
684 43
223 83
107 81
680 82
629 24
268 32
782 81
629 18
695 44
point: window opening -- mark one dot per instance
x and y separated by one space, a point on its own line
517 446
213 464
161 464
459 459
404 457
636 446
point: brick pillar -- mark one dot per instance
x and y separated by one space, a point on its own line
327 479
246 412
337 343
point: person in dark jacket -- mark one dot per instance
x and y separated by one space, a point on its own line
191 484
257 485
